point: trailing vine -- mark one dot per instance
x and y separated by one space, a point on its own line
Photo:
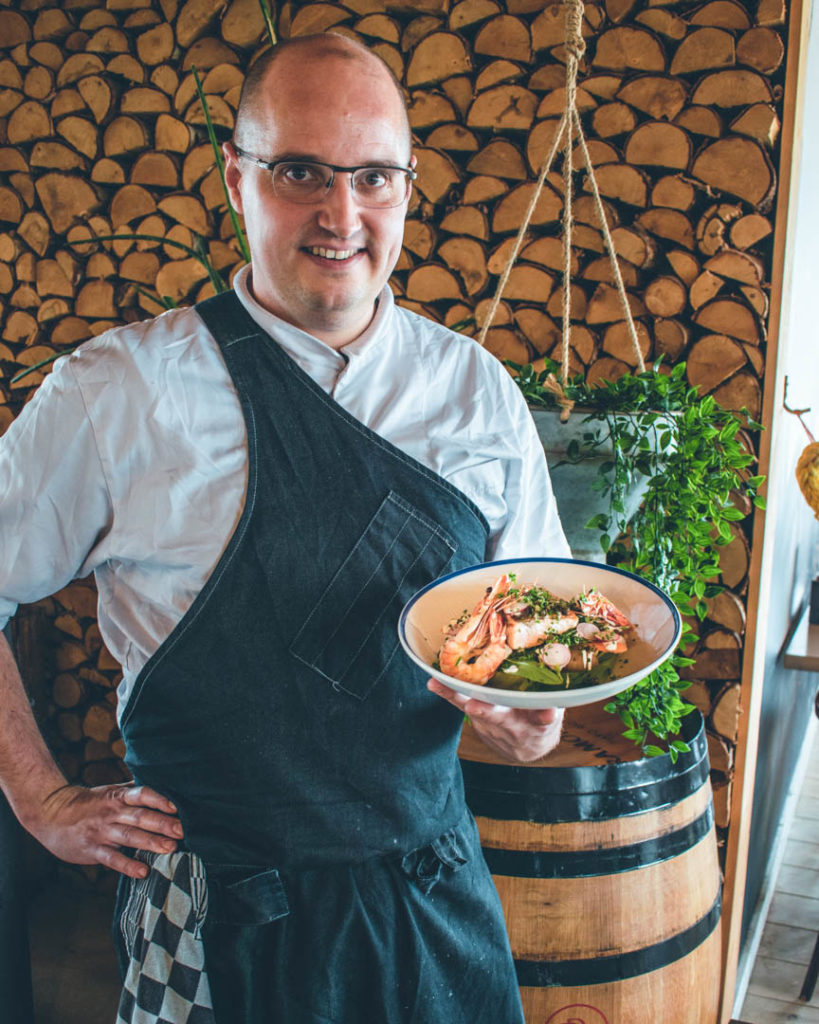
697 463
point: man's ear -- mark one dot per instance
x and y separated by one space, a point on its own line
233 175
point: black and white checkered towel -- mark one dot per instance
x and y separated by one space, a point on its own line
161 925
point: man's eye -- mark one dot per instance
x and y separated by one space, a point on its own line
299 174
373 178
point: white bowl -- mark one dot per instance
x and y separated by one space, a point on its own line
656 620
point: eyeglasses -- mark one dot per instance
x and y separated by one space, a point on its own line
305 181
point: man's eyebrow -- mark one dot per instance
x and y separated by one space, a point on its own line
313 159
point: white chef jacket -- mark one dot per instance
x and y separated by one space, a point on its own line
131 461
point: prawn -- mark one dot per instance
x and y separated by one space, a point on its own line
475 651
610 638
530 632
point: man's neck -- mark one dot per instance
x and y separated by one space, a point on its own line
332 335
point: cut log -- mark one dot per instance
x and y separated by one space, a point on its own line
52 279
742 391
498 71
147 100
419 238
757 299
503 314
722 14
606 369
95 300
467 257
156 45
731 317
712 226
622 182
634 245
97 94
432 283
658 144
467 220
28 121
11 206
35 231
659 96
38 83
734 88
665 297
507 344
65 198
762 49
670 338
554 104
79 133
436 57
459 89
453 138
726 711
606 307
130 202
673 191
539 143
629 49
704 50
56 156
177 278
712 360
506 107
771 12
600 270
67 691
504 36
100 723
470 12
577 299
613 119
726 609
510 210
172 134
437 174
430 108
760 121
704 288
749 230
669 224
243 24
186 210
738 166
700 121
618 344
736 266
500 159
124 135
529 284
539 328
548 252
720 754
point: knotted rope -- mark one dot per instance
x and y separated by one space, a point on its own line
569 124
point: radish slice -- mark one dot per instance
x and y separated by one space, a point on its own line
555 655
587 630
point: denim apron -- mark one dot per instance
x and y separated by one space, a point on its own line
316 777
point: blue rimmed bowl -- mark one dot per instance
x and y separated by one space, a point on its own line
657 623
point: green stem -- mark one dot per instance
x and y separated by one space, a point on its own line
217 152
268 21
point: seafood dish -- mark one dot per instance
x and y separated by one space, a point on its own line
521 636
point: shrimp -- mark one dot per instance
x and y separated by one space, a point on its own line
530 632
478 648
613 623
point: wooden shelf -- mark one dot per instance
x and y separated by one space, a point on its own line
803 650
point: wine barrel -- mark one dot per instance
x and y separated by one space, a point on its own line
606 865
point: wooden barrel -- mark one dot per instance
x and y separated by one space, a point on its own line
606 865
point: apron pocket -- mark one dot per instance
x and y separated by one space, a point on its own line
425 865
238 899
351 634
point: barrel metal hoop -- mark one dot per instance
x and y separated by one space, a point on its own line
606 861
604 970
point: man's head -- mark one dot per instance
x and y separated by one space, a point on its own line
325 99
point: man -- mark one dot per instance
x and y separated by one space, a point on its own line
259 484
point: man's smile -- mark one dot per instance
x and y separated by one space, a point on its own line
333 254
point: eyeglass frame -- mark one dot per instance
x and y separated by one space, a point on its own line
270 165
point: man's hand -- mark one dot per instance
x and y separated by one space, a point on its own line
87 826
517 734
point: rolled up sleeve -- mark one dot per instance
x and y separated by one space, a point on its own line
55 505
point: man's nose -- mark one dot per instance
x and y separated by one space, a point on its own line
339 211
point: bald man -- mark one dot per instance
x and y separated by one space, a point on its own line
259 483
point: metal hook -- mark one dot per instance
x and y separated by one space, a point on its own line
796 412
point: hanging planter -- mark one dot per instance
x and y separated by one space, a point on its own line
647 474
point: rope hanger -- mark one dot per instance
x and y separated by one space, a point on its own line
569 125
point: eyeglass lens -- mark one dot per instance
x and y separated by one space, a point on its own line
308 183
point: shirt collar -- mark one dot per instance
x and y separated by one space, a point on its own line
305 348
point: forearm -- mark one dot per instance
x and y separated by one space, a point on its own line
28 772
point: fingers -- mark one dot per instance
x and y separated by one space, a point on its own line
144 796
115 859
139 839
151 821
496 712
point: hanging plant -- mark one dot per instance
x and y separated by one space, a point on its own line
686 451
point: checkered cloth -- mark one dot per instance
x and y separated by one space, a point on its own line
161 925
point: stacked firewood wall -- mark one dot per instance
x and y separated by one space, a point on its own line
101 132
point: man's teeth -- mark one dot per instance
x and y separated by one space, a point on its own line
332 254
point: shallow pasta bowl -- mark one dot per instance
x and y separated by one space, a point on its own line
657 623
